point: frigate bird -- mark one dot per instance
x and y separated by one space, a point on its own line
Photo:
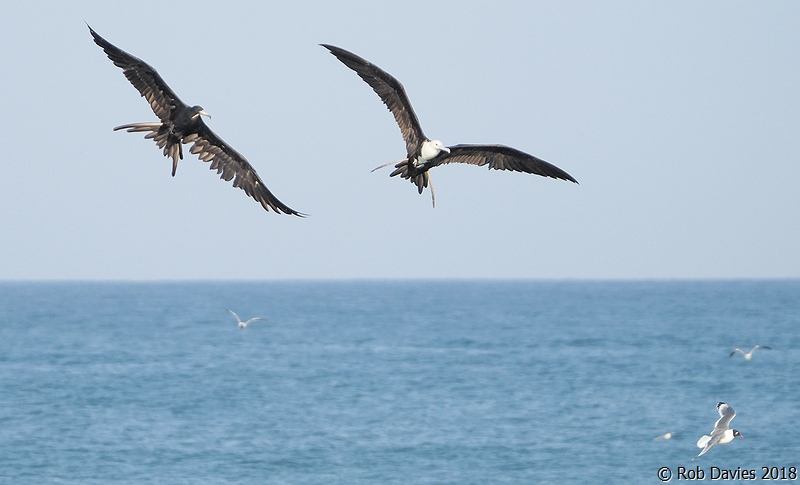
181 123
721 433
749 355
422 153
242 325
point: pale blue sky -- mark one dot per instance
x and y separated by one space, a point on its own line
681 120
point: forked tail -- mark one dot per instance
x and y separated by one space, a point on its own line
159 134
403 169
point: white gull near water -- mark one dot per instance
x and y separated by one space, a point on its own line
748 355
243 325
721 433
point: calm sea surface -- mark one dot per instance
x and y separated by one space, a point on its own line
462 382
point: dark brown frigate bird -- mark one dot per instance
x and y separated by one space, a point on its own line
181 123
423 153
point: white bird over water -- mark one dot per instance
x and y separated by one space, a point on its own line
665 436
243 325
721 433
749 355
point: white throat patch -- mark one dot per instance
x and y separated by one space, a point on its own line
430 149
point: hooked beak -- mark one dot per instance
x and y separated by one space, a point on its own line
445 149
203 113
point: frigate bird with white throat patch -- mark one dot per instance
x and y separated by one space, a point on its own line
721 433
424 153
181 123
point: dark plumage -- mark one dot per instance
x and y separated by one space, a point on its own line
181 123
422 154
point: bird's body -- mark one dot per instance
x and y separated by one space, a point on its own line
422 153
665 436
242 325
721 433
180 123
748 355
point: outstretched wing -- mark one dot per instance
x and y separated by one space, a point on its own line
707 442
726 414
231 165
144 78
391 93
501 157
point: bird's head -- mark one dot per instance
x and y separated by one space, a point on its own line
440 146
198 111
737 433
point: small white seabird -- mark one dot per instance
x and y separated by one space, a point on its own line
243 325
665 436
749 355
721 433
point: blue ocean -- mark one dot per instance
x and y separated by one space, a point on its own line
395 382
